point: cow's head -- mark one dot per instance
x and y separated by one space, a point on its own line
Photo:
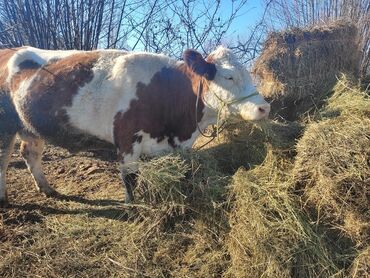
230 88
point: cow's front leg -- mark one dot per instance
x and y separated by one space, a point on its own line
129 181
31 150
6 148
129 168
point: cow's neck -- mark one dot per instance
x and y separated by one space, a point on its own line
185 114
209 116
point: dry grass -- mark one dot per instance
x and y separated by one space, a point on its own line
270 236
361 265
246 144
332 165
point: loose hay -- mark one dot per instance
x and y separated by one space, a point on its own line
245 144
298 68
270 236
182 216
179 183
361 265
332 166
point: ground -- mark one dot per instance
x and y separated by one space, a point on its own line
85 231
81 178
89 186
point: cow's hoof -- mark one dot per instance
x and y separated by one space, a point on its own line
131 211
129 198
50 192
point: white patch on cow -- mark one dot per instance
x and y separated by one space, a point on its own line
112 89
19 99
129 164
232 82
133 68
147 146
151 146
39 56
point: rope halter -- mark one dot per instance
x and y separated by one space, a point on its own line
223 104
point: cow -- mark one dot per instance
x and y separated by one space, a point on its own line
140 103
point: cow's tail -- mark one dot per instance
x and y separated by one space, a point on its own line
10 123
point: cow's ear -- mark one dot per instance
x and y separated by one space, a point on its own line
195 61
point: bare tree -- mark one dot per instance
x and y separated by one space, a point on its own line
170 26
167 26
52 24
189 24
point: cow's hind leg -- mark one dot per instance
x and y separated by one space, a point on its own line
6 149
31 150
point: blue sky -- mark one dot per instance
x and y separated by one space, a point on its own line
249 15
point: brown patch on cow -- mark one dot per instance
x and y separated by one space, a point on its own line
26 69
53 88
5 55
23 74
165 108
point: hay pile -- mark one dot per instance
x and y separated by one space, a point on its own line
298 68
308 215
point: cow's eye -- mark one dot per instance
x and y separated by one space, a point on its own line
229 78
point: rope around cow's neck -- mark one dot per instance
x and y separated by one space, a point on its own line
224 104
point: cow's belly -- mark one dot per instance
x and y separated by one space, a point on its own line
43 117
69 138
77 142
153 146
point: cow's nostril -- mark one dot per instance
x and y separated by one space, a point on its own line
261 110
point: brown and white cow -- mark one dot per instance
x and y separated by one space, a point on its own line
141 103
